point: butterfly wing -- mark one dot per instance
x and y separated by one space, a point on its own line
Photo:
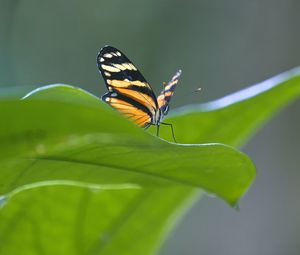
138 113
129 91
165 96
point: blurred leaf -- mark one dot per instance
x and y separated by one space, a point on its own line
51 221
15 91
72 220
234 118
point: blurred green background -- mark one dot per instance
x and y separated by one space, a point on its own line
221 46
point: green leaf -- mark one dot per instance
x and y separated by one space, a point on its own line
55 219
90 144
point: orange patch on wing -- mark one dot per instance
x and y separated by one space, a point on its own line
161 100
139 97
170 85
134 114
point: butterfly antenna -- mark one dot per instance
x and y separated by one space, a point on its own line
193 91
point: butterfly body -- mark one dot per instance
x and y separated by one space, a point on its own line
129 92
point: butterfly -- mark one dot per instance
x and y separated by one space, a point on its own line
130 93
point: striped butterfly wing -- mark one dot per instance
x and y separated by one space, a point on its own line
165 96
128 90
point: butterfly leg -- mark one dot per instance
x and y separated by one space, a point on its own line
171 126
157 128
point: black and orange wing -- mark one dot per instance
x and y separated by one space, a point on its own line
165 96
128 90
